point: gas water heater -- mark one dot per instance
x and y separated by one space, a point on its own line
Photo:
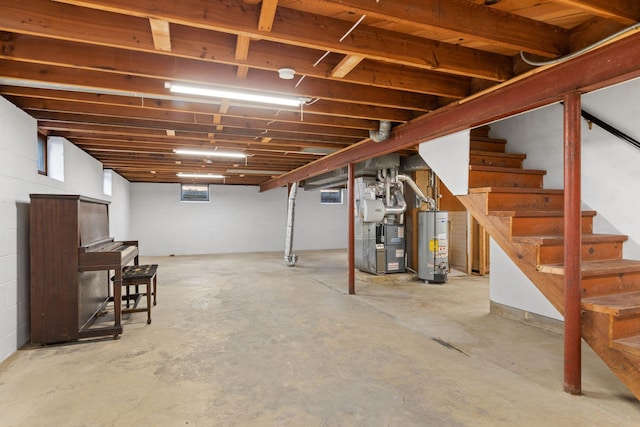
433 246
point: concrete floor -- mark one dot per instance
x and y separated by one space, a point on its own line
243 340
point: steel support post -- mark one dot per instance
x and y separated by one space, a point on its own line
351 238
572 245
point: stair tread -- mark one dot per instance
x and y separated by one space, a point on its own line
630 344
596 268
498 154
499 169
536 214
556 240
487 139
524 190
627 303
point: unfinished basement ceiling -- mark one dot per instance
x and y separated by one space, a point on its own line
95 71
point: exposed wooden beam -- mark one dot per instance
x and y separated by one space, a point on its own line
345 66
242 47
608 65
141 87
48 19
119 101
159 119
224 106
316 32
203 128
242 52
592 31
242 72
267 14
161 34
109 60
624 11
467 19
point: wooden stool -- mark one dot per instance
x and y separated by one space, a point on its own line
136 275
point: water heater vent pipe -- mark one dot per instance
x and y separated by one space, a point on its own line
419 193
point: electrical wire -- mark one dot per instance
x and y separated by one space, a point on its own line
581 51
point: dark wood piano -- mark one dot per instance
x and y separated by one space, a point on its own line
71 257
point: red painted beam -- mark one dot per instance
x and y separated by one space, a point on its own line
608 65
572 245
351 238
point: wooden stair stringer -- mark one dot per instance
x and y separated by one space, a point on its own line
522 254
596 329
596 326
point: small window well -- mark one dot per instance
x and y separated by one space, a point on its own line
194 193
331 197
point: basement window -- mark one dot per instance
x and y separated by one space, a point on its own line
331 197
55 158
107 182
42 154
194 192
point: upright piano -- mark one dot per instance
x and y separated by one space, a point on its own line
71 259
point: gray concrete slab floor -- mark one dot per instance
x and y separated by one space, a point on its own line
244 340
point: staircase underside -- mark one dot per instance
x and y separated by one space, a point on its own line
602 312
527 222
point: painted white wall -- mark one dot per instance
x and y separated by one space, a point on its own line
120 208
18 178
237 219
448 157
610 176
509 286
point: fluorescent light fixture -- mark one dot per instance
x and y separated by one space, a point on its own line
319 150
209 153
199 175
230 94
254 172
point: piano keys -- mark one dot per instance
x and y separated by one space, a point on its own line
71 256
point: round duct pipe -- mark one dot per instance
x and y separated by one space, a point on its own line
382 134
290 258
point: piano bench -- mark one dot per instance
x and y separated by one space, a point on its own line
137 275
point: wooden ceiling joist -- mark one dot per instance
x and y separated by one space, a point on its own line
161 34
317 32
625 12
594 70
267 14
472 20
199 44
99 73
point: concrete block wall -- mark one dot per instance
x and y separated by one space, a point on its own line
18 178
236 219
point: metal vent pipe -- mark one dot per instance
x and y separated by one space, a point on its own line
289 257
382 134
419 193
401 204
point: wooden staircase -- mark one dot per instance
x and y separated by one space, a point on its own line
527 222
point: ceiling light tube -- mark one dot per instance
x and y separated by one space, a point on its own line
254 172
229 94
199 175
209 153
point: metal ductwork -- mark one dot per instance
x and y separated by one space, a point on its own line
338 177
289 257
400 206
382 134
419 193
